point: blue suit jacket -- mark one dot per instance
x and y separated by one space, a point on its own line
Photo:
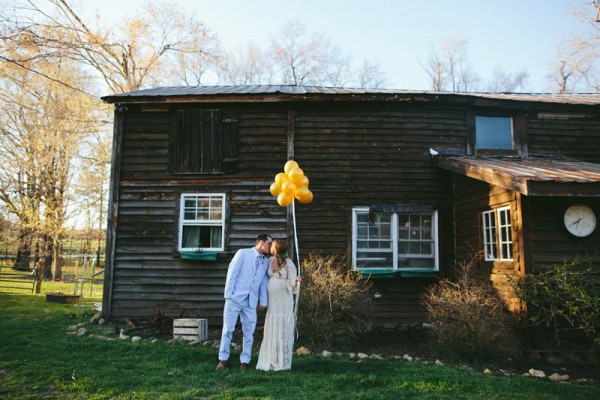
244 280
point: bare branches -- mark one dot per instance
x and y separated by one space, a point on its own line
142 52
449 67
297 57
577 63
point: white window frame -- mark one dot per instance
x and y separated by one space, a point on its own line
395 239
198 222
496 245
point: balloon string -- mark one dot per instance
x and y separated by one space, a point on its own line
296 235
298 260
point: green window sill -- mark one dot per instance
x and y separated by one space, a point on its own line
199 255
391 273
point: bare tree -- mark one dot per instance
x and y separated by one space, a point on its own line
248 65
297 57
450 68
503 81
308 60
370 75
143 52
578 59
434 67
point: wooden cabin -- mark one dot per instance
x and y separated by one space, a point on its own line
405 184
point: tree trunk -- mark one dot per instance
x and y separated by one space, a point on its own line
57 259
46 256
41 267
23 251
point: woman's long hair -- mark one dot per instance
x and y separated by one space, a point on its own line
280 259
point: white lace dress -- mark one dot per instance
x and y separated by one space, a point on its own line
278 340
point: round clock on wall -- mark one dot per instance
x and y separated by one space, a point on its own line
580 220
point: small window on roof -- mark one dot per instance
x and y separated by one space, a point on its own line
493 133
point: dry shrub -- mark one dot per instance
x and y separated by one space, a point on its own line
469 316
334 302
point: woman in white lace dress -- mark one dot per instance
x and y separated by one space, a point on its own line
278 340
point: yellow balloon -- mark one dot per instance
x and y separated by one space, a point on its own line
307 199
289 187
296 174
289 165
275 189
302 193
284 199
281 178
304 182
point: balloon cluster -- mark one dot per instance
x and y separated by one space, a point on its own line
290 184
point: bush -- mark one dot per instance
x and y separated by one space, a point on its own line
334 302
569 293
469 317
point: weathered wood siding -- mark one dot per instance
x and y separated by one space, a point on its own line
549 242
471 198
577 138
356 156
148 276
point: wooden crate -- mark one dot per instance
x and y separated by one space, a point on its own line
190 329
62 298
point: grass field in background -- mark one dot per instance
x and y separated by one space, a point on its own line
40 360
91 289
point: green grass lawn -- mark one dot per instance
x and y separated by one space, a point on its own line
39 360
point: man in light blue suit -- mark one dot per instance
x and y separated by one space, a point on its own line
245 294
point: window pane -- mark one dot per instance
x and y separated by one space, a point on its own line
202 236
505 234
494 133
427 248
413 233
374 243
202 222
191 236
415 237
374 259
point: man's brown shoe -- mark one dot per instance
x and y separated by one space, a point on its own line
222 365
243 366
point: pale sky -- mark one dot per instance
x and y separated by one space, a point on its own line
397 34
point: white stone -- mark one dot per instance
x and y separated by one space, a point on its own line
351 355
487 371
556 377
375 357
82 332
302 351
536 373
439 363
407 357
123 337
362 355
136 339
326 353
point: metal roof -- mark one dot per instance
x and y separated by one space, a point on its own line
291 92
530 176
